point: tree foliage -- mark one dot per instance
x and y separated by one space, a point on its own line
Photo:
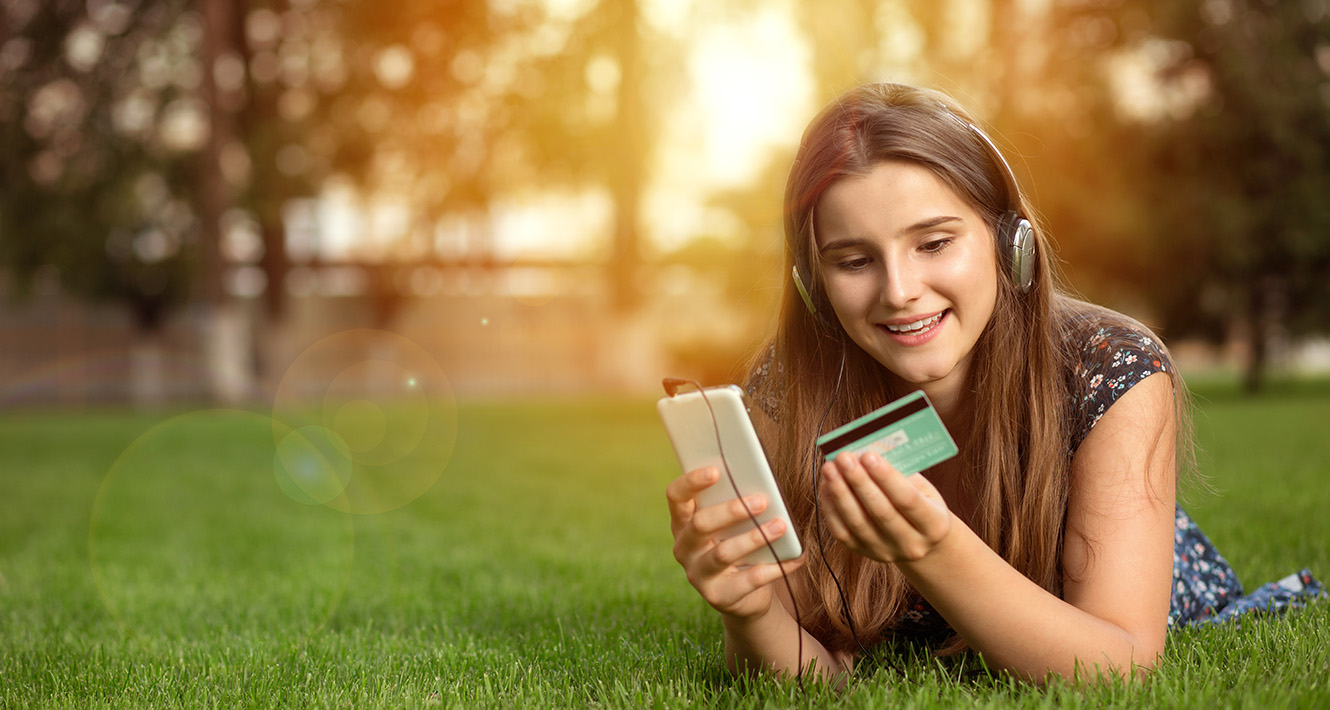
99 120
1229 145
113 107
408 101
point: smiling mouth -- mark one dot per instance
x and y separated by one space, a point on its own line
916 327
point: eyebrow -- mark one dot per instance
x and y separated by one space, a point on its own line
921 226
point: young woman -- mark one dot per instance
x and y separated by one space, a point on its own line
1052 542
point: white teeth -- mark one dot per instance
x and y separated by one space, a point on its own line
910 328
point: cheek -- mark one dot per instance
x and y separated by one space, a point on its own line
836 290
977 275
851 296
983 296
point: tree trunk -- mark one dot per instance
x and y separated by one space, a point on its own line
214 193
1261 307
275 266
628 169
147 368
223 325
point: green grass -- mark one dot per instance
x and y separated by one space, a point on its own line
154 561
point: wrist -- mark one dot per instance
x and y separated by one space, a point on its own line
943 549
746 623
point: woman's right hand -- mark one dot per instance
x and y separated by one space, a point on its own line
712 565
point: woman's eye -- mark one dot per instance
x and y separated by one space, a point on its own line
935 246
852 264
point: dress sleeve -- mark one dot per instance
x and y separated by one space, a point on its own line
764 380
1112 359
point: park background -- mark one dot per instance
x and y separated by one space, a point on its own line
572 195
396 283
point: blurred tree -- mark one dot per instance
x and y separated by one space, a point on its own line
1250 168
448 106
592 116
1228 105
407 103
1076 154
846 44
167 121
99 122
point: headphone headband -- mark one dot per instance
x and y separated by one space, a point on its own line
1008 175
1015 233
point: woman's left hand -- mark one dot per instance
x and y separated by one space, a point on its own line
879 513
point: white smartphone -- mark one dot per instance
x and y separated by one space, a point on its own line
693 428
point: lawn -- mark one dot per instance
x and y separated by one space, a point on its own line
158 561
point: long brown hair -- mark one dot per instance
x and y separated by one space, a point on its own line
1015 463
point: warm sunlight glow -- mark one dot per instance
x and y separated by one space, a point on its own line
752 91
748 93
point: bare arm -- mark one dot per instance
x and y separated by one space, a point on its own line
1117 550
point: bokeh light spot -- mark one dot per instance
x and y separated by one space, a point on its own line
312 465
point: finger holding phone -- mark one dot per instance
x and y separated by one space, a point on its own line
714 564
729 522
733 537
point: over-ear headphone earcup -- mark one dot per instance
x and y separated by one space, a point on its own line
805 289
1017 240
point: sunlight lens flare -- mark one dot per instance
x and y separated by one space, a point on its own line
364 421
312 465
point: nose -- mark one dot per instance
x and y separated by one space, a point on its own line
902 283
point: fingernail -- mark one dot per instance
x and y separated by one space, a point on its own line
755 501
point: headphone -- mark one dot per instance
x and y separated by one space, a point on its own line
1015 234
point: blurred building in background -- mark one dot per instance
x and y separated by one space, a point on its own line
489 338
497 326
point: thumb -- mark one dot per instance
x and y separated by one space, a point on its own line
926 488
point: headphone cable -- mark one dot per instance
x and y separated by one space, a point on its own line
817 525
798 619
817 512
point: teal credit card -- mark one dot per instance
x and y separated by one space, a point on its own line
908 433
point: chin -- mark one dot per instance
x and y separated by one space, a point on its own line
919 377
917 381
